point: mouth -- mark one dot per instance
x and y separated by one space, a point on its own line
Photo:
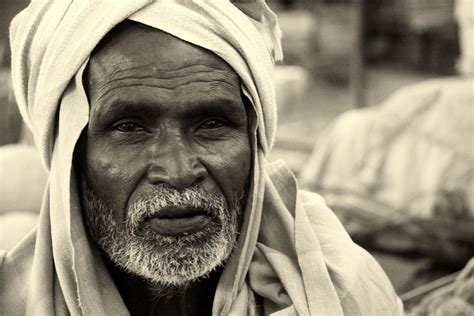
179 221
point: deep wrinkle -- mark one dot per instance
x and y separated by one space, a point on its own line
161 82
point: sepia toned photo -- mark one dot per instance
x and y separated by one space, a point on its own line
237 157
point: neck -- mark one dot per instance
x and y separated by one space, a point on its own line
143 297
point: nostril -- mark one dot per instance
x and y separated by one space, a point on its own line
200 178
200 175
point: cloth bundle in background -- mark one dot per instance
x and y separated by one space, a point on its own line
295 255
404 167
399 157
454 298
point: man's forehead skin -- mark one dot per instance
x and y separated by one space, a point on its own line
134 53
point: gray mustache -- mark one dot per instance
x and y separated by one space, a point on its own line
163 198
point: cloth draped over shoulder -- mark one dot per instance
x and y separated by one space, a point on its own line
292 256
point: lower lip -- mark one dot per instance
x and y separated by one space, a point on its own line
179 226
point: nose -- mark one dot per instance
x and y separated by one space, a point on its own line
175 164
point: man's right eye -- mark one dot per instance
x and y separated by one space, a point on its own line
129 127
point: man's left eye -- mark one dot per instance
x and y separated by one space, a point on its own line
129 127
212 124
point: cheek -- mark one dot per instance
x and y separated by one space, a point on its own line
238 165
112 175
230 168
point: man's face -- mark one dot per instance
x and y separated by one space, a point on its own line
165 159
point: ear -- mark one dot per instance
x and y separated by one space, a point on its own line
265 20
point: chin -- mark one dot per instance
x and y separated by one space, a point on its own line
174 261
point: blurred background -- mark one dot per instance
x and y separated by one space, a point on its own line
376 114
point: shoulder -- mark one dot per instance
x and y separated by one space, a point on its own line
321 216
361 283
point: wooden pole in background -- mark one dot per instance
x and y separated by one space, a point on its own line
358 74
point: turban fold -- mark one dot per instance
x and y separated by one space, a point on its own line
296 262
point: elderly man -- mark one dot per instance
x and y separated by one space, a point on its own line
154 120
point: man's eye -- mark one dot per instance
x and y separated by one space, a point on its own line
212 124
129 127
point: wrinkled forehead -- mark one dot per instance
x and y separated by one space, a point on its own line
132 49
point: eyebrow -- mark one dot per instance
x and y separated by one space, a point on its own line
120 107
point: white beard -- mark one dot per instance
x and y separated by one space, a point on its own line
164 260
